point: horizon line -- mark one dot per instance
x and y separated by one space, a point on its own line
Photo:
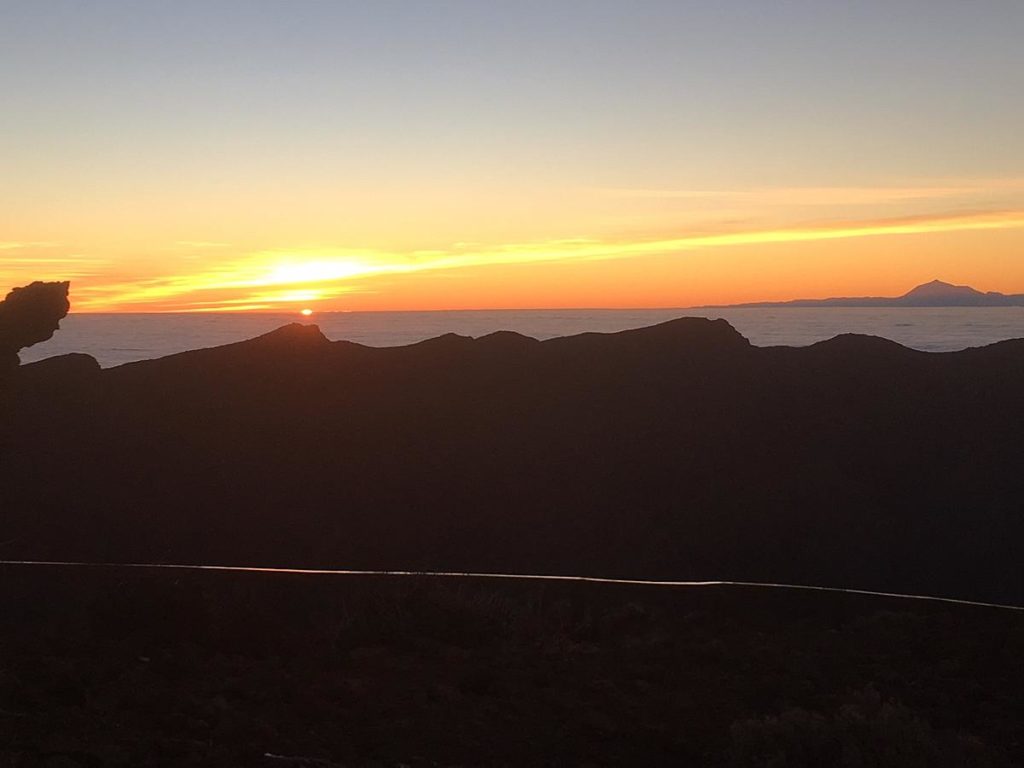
778 304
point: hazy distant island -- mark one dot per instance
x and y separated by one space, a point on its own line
933 294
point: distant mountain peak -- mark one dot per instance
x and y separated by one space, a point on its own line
937 288
291 334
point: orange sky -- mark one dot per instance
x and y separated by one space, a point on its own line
726 263
206 155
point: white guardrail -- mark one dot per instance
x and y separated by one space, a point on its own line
512 576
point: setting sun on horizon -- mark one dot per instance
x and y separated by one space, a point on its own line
208 157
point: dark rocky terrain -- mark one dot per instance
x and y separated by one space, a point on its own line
107 667
677 451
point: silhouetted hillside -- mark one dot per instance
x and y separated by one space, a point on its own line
676 451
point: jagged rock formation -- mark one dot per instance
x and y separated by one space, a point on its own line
30 315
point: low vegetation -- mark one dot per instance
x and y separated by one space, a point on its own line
133 668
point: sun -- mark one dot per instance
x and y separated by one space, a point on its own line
306 312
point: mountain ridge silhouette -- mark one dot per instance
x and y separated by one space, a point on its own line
675 451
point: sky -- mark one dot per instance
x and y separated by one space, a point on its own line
272 155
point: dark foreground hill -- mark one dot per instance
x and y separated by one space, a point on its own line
676 451
108 667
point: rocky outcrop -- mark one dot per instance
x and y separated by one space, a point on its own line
30 315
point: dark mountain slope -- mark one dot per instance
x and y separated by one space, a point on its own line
675 451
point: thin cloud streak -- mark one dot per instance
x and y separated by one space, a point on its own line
54 260
201 244
827 196
18 270
26 245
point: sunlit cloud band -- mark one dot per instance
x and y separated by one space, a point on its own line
281 277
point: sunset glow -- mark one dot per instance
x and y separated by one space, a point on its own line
493 275
614 166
